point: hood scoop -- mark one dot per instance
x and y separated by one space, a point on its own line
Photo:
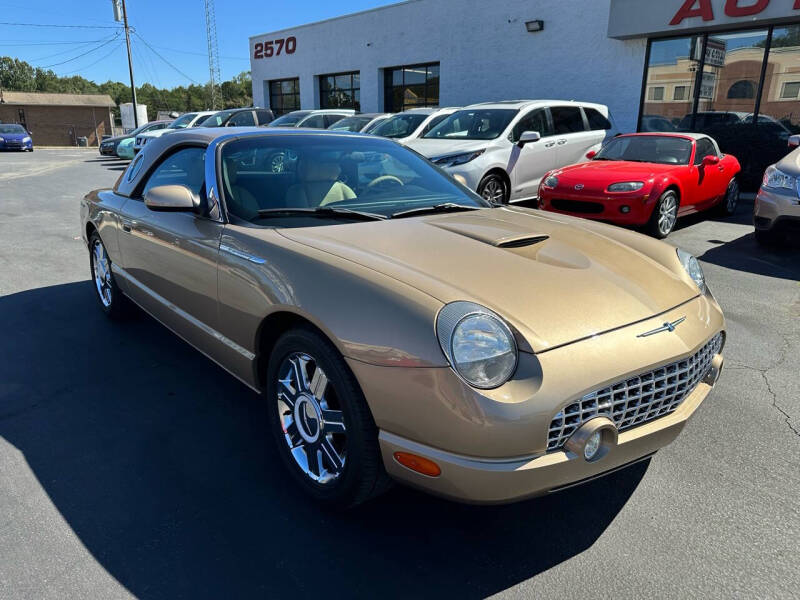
501 234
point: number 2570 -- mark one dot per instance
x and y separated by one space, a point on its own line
275 48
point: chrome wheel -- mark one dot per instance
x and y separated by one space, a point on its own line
311 419
494 190
278 163
101 268
667 214
732 199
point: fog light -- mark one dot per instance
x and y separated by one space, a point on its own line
592 445
625 209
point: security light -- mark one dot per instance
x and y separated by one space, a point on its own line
534 26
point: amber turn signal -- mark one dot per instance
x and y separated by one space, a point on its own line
418 464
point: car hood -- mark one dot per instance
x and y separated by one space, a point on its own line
601 173
431 148
117 139
13 136
553 280
157 133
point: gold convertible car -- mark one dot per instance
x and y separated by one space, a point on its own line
398 326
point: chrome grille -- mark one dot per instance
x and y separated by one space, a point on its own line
638 399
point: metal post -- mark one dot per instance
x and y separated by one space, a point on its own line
130 64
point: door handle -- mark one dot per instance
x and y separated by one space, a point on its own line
562 142
127 226
549 144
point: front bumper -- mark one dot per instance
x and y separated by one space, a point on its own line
14 145
774 209
492 446
109 150
601 207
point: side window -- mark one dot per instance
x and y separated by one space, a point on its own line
264 116
434 122
331 119
315 122
704 148
135 167
567 119
596 120
536 120
242 119
185 167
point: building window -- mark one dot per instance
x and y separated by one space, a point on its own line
340 90
681 92
742 90
790 90
284 96
412 86
655 94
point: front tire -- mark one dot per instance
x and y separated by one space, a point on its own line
113 303
494 188
730 202
323 429
665 215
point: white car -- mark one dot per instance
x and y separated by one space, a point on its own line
412 124
503 149
312 119
192 119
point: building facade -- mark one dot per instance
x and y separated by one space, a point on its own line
59 119
666 64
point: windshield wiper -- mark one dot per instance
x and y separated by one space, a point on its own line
438 208
321 211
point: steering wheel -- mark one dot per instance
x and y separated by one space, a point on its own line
384 179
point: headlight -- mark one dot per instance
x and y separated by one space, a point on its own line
26 139
551 181
458 159
693 268
478 344
628 186
777 179
2 139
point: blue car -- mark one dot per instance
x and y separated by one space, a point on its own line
15 137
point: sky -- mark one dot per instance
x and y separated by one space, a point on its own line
169 45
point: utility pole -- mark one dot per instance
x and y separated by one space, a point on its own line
116 4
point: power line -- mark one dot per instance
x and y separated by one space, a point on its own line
101 59
204 54
154 51
81 55
8 42
59 25
68 50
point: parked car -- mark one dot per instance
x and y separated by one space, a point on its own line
412 124
185 121
239 117
362 122
503 149
108 147
312 119
776 213
15 137
647 179
400 326
657 123
125 149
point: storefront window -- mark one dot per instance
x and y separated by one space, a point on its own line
780 99
284 96
671 74
412 86
341 90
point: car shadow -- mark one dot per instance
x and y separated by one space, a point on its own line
745 254
161 465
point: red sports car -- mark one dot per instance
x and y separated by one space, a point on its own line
646 179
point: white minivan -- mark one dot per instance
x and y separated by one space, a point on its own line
503 149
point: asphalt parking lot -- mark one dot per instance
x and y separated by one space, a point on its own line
132 466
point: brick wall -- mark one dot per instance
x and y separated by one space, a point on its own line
60 125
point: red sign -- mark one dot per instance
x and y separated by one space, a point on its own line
733 8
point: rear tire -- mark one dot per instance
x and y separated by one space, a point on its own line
494 188
323 428
665 215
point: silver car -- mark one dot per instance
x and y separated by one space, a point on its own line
777 208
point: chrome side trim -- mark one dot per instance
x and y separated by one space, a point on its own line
184 315
238 253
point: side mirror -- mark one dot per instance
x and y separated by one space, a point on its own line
794 142
591 154
528 137
710 161
171 198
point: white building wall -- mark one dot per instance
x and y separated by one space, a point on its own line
483 47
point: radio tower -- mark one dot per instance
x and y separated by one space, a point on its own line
213 54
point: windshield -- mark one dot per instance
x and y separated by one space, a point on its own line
377 123
665 150
12 129
289 120
350 124
399 126
183 121
474 124
266 177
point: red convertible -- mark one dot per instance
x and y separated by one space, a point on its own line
646 179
